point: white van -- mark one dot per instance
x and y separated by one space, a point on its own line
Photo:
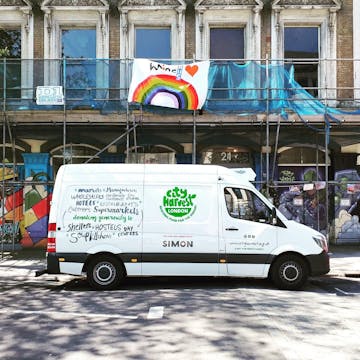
109 221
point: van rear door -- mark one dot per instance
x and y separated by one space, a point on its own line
247 231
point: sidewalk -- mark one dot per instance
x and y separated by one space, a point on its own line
22 263
344 261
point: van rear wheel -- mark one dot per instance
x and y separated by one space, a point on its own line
105 272
289 272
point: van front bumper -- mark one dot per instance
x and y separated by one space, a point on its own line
319 264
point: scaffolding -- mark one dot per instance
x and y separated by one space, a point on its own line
266 97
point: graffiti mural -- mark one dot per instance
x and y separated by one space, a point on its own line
11 208
304 203
347 207
25 209
36 211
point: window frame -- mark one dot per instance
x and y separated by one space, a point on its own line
303 61
228 27
154 16
323 17
152 28
12 17
244 16
252 198
57 18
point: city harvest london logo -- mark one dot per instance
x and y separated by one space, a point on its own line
178 204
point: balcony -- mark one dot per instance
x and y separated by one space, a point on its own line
240 90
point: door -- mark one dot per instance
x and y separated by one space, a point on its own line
247 231
180 228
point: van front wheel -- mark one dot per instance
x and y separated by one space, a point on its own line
104 272
289 272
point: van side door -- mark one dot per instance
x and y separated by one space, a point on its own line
247 231
180 227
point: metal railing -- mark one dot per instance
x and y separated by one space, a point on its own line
103 84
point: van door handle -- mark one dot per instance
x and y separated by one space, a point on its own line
232 229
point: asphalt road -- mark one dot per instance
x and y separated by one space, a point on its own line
172 318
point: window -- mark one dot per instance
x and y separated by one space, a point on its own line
155 31
77 31
245 205
16 44
227 43
152 43
73 154
10 46
237 23
151 154
302 45
317 25
13 154
301 155
79 44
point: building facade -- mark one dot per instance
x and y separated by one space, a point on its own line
78 54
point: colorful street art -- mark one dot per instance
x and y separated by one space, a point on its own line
11 209
347 207
25 210
304 203
36 212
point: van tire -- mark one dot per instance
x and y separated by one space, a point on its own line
105 272
289 272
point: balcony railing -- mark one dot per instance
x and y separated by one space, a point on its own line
234 86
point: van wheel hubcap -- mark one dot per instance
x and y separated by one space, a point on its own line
104 273
290 272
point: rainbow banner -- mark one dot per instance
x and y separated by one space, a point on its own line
174 86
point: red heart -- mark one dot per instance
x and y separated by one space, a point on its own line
192 69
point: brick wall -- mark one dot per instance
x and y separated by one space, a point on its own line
38 47
114 34
345 50
190 49
38 34
266 32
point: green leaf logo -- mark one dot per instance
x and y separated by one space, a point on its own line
178 204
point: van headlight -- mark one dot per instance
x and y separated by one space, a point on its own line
321 241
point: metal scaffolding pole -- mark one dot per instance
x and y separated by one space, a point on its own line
112 143
3 160
267 127
3 184
127 113
194 139
327 139
64 111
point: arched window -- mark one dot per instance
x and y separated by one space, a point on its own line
151 154
302 155
72 154
13 154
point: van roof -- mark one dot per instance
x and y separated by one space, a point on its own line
246 174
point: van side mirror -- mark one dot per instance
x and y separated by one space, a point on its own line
273 216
